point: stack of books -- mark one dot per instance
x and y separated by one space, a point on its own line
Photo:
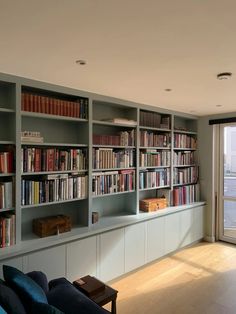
31 136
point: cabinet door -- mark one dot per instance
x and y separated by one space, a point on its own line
112 248
16 262
82 258
172 232
134 246
155 238
186 227
198 218
50 261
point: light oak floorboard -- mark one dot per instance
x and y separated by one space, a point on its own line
196 280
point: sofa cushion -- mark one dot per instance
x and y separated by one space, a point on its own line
40 278
10 301
43 308
27 289
73 301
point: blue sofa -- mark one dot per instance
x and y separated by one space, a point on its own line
31 293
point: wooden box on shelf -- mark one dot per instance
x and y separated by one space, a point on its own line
52 225
152 204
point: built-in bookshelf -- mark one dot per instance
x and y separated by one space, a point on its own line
54 157
185 165
7 164
69 152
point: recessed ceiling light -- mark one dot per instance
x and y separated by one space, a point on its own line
218 105
168 90
224 76
81 62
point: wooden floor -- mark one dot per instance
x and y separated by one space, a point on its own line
196 280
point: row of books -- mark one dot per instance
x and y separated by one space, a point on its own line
113 158
151 139
185 175
53 188
6 195
153 157
6 162
53 159
186 195
154 178
185 141
154 120
113 182
123 138
55 106
7 229
184 158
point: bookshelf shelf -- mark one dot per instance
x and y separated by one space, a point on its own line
53 172
112 194
53 203
113 146
183 184
7 174
113 169
155 188
184 166
185 132
186 148
155 147
6 209
53 144
154 129
153 167
6 110
50 116
112 124
7 142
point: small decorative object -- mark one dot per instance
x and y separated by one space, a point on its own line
95 217
52 225
153 204
89 285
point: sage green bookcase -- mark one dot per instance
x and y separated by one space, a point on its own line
71 132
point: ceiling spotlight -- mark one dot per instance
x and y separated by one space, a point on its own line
224 76
168 90
80 62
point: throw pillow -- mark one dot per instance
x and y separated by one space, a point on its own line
25 287
40 278
10 300
43 308
2 311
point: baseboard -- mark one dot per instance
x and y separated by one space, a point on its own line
210 239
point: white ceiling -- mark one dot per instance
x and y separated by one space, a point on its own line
134 49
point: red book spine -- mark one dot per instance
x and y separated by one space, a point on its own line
23 101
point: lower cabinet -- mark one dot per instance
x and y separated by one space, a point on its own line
111 254
81 258
155 238
51 261
172 232
135 246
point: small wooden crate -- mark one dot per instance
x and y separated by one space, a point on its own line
153 204
47 226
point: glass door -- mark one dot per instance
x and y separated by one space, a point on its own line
227 200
